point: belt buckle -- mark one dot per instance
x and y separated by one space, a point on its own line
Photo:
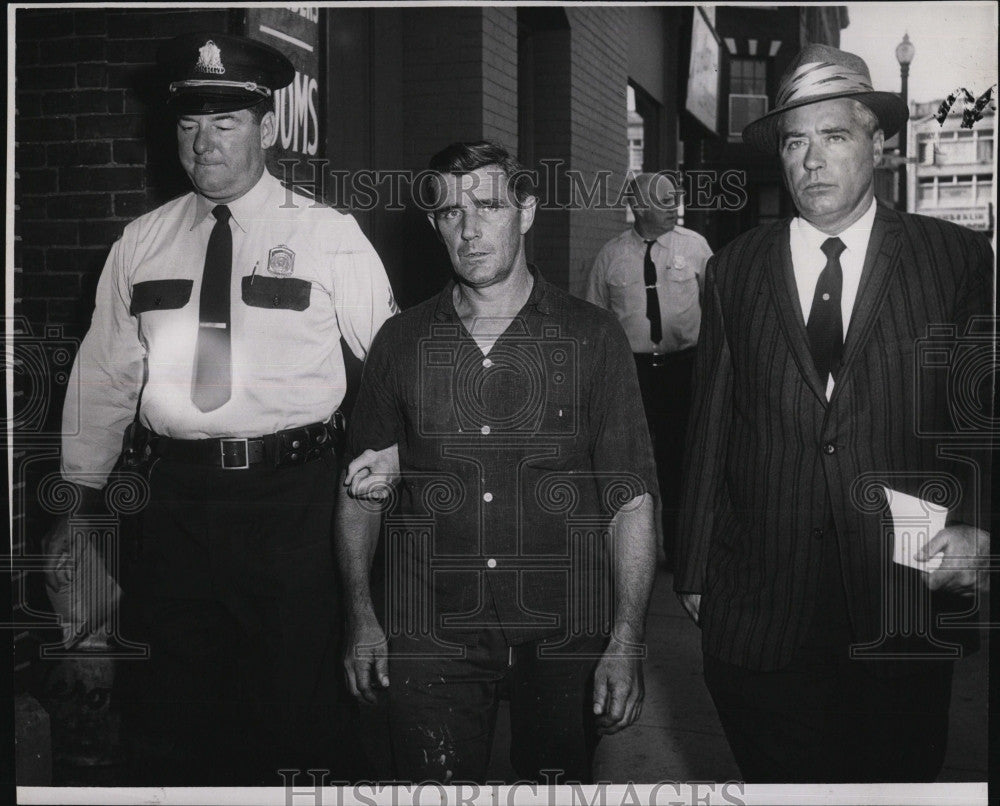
235 445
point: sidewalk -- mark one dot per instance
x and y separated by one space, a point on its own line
679 738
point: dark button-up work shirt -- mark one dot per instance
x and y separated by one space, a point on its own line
513 464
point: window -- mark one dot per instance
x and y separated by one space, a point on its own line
748 76
957 152
984 150
742 110
926 196
925 152
957 193
747 93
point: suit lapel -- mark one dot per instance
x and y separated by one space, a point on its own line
881 262
790 315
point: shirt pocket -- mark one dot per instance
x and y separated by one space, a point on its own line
682 273
279 293
160 295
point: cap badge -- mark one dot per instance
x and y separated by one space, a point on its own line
210 58
281 261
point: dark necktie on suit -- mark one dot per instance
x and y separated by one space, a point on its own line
825 326
212 384
652 300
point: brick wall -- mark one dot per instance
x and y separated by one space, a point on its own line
91 153
82 127
598 77
552 83
443 79
500 76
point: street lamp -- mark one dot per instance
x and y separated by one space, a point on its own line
904 55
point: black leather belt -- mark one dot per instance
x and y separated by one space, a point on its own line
288 448
664 359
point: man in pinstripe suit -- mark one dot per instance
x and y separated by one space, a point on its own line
826 660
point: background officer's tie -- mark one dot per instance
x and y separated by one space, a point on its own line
212 384
825 326
652 300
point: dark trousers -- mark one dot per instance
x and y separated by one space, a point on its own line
826 718
665 383
234 591
442 711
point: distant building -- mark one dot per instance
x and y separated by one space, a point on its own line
635 135
951 175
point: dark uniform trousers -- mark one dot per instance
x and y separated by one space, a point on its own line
665 381
826 718
233 588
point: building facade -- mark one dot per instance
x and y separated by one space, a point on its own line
755 45
951 173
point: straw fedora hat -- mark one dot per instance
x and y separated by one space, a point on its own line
822 73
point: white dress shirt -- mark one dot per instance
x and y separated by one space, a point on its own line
809 260
316 278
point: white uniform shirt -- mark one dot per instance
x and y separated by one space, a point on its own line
809 260
617 283
303 276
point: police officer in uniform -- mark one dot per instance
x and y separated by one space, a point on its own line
216 343
650 277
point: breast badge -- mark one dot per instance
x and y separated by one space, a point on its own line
281 261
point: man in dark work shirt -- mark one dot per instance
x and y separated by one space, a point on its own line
520 542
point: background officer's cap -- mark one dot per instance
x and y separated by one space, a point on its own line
212 72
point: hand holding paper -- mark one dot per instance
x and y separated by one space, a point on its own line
914 522
965 552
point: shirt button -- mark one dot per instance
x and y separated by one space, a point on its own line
487 363
487 497
485 430
491 563
829 449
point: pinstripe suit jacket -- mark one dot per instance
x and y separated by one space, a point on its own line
770 462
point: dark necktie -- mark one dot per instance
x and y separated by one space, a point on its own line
825 326
652 300
212 384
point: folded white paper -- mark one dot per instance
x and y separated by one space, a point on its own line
914 522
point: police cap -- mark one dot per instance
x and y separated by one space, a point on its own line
211 72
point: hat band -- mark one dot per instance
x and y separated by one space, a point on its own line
821 78
249 86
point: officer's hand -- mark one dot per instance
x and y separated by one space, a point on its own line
692 604
966 554
618 687
372 474
366 658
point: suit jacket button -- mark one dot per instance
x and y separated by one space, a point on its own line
829 449
817 533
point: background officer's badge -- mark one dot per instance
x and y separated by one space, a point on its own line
210 58
281 261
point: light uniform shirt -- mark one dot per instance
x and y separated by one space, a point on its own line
809 260
617 283
303 275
